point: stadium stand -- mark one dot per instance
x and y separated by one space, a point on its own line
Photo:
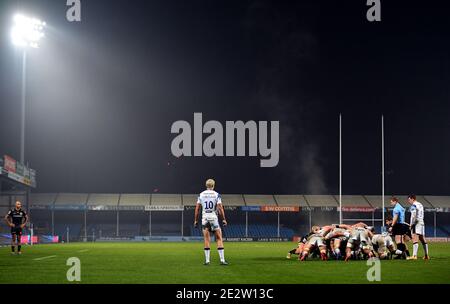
233 199
71 199
189 199
43 199
166 199
376 201
99 199
321 200
134 199
259 200
439 201
353 201
114 221
291 200
259 231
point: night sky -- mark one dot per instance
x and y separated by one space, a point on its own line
103 93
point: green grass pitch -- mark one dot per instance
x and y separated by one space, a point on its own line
182 263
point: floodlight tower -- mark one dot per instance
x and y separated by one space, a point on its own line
26 33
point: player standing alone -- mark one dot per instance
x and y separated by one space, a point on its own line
417 227
15 219
211 203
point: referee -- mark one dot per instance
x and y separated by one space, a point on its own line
398 227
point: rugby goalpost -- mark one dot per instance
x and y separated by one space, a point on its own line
341 219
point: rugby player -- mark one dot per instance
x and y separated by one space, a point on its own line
384 246
299 249
417 227
316 241
16 218
338 237
211 203
360 238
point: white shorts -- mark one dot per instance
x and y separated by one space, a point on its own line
316 241
389 242
210 222
418 229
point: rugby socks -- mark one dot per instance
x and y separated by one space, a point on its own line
221 254
415 248
19 247
207 253
293 251
13 248
425 248
398 252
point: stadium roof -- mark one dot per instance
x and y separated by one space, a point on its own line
157 199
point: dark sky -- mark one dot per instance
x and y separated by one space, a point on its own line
104 92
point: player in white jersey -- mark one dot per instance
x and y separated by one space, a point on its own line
383 245
316 241
360 238
211 204
417 227
337 237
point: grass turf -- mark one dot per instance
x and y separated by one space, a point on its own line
260 263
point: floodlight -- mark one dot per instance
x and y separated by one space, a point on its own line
27 31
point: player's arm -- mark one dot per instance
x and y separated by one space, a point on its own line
197 210
25 222
327 229
222 214
7 219
345 226
395 219
413 215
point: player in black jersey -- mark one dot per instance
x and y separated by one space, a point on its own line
299 249
16 219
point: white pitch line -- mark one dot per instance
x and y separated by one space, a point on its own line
43 258
83 250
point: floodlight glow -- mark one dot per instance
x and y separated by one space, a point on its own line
27 32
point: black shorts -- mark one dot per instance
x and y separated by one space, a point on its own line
16 231
400 229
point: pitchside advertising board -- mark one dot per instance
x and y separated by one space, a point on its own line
17 171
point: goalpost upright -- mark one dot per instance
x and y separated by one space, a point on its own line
340 168
382 173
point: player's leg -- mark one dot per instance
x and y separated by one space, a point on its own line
305 252
424 244
13 241
220 249
207 240
368 251
322 249
297 250
337 248
348 249
19 237
393 250
415 239
323 252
